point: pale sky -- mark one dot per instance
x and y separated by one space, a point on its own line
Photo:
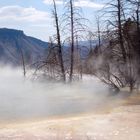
34 17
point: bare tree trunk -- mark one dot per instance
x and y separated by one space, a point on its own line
138 34
72 41
60 54
120 30
23 63
78 58
22 58
99 34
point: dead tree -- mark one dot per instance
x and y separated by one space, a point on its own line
99 33
114 67
118 63
73 27
72 39
58 37
22 58
120 34
23 62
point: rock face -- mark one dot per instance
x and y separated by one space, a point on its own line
14 42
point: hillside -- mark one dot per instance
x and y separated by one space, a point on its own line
12 42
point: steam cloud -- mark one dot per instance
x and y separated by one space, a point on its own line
23 99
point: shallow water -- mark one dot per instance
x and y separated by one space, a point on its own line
24 99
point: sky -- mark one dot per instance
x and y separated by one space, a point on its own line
34 17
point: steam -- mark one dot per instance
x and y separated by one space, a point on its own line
23 98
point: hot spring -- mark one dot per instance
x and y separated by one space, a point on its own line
26 99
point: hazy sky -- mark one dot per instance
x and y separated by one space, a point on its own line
34 17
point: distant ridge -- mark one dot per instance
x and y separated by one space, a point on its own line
12 41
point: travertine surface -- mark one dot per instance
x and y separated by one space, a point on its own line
122 123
